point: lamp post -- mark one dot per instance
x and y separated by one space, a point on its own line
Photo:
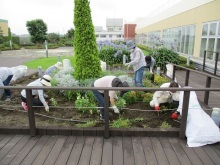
46 48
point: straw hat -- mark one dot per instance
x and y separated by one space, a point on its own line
59 65
45 80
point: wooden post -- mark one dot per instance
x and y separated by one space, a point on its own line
31 116
106 110
184 114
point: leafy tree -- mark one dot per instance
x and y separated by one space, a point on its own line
70 33
53 38
85 47
37 29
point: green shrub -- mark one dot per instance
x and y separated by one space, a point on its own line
159 80
121 123
84 105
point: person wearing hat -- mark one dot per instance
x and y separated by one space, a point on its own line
107 81
138 61
150 63
52 69
37 94
5 78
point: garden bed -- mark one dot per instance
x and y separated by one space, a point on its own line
139 114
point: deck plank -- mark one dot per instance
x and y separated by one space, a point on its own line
35 150
138 151
107 152
117 152
203 156
66 150
8 146
16 149
2 136
87 151
76 151
159 152
178 149
25 150
55 151
193 157
167 147
5 140
216 147
42 156
96 156
128 151
148 151
212 154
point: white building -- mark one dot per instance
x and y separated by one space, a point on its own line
114 30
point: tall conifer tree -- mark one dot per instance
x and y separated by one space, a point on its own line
85 47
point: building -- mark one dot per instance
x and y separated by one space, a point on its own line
188 27
3 27
129 31
114 30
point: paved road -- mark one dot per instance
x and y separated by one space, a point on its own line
18 57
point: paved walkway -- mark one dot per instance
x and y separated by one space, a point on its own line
19 57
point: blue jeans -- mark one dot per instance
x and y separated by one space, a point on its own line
6 83
138 76
100 99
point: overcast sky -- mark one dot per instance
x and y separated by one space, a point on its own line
58 14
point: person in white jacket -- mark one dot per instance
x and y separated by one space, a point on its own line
5 78
37 94
166 96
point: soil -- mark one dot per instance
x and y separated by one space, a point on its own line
12 113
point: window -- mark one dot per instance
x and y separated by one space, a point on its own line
205 30
102 36
210 39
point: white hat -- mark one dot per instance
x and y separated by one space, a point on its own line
45 80
130 45
59 65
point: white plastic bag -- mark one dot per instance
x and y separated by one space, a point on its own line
200 128
18 72
170 71
103 66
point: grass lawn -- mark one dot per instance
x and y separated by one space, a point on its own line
47 62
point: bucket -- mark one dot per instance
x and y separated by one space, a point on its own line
66 64
216 116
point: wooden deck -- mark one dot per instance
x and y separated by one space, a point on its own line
199 81
21 149
81 150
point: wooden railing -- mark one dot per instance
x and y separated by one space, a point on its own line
31 115
209 77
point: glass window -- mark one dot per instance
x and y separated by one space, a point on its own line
103 36
219 28
182 40
205 30
187 40
218 48
203 47
211 44
212 30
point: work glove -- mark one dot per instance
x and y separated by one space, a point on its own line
116 97
46 96
127 64
115 109
174 115
47 109
157 108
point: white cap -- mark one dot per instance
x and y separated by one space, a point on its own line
45 80
59 65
